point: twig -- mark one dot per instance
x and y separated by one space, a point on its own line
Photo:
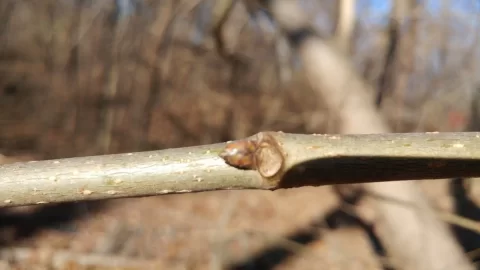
267 160
59 259
181 170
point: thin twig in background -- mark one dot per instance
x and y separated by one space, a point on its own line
62 259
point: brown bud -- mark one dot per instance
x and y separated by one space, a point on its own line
262 154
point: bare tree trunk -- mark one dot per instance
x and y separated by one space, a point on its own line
345 24
413 236
444 30
401 49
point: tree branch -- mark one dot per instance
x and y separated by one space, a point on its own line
168 171
272 160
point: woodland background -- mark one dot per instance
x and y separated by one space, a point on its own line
80 77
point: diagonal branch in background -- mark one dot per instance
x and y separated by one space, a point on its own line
267 160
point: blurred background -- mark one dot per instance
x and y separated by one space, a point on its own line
83 77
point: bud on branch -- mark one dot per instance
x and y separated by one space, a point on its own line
267 160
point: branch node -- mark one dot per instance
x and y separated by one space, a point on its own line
261 152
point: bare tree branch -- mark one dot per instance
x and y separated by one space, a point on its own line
274 160
123 175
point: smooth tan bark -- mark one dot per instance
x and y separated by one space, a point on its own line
122 175
304 160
